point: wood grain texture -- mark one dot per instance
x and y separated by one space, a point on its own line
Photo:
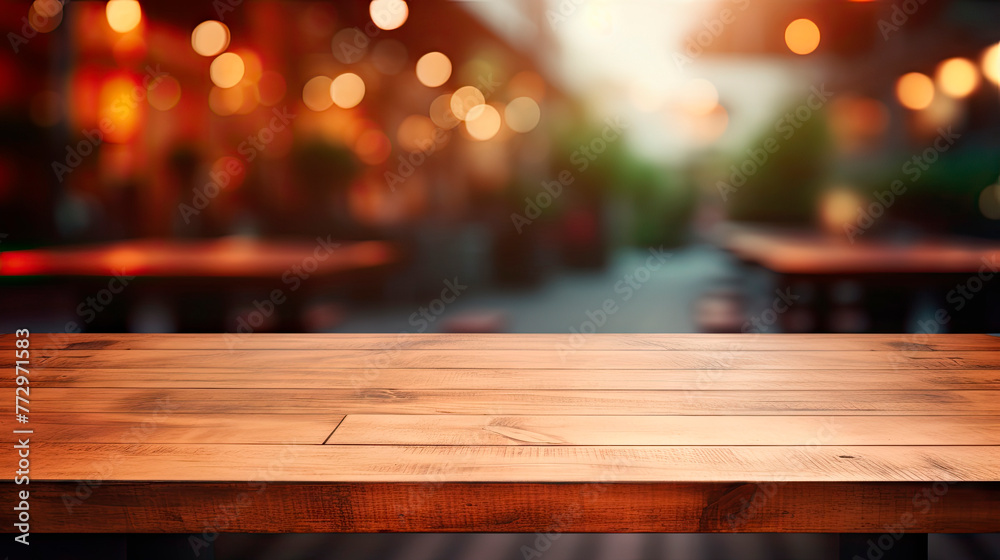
276 506
485 379
437 429
530 402
510 433
300 462
470 358
164 426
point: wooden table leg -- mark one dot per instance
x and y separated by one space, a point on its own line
883 546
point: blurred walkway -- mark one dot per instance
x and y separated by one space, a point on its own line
662 303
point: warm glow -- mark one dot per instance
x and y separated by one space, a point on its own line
45 15
991 63
527 84
227 70
522 114
347 90
802 36
164 93
388 14
464 99
253 68
839 207
316 93
915 91
116 105
441 112
433 69
225 101
372 147
210 38
482 122
271 88
699 97
416 134
957 77
123 15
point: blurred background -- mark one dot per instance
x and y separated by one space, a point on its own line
568 166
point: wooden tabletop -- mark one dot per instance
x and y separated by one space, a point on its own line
232 257
607 432
799 251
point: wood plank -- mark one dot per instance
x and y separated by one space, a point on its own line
506 402
441 429
390 463
163 426
505 341
275 506
486 379
526 359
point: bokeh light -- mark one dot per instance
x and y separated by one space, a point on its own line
45 15
699 97
957 77
989 202
253 68
802 36
210 38
416 133
839 207
464 99
347 90
164 93
915 91
316 93
225 101
123 15
441 114
117 105
482 122
227 70
991 63
433 69
527 84
522 114
388 14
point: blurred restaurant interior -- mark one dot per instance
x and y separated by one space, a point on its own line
568 166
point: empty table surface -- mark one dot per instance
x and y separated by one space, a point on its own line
606 432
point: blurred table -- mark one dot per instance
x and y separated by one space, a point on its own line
512 433
906 269
196 273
